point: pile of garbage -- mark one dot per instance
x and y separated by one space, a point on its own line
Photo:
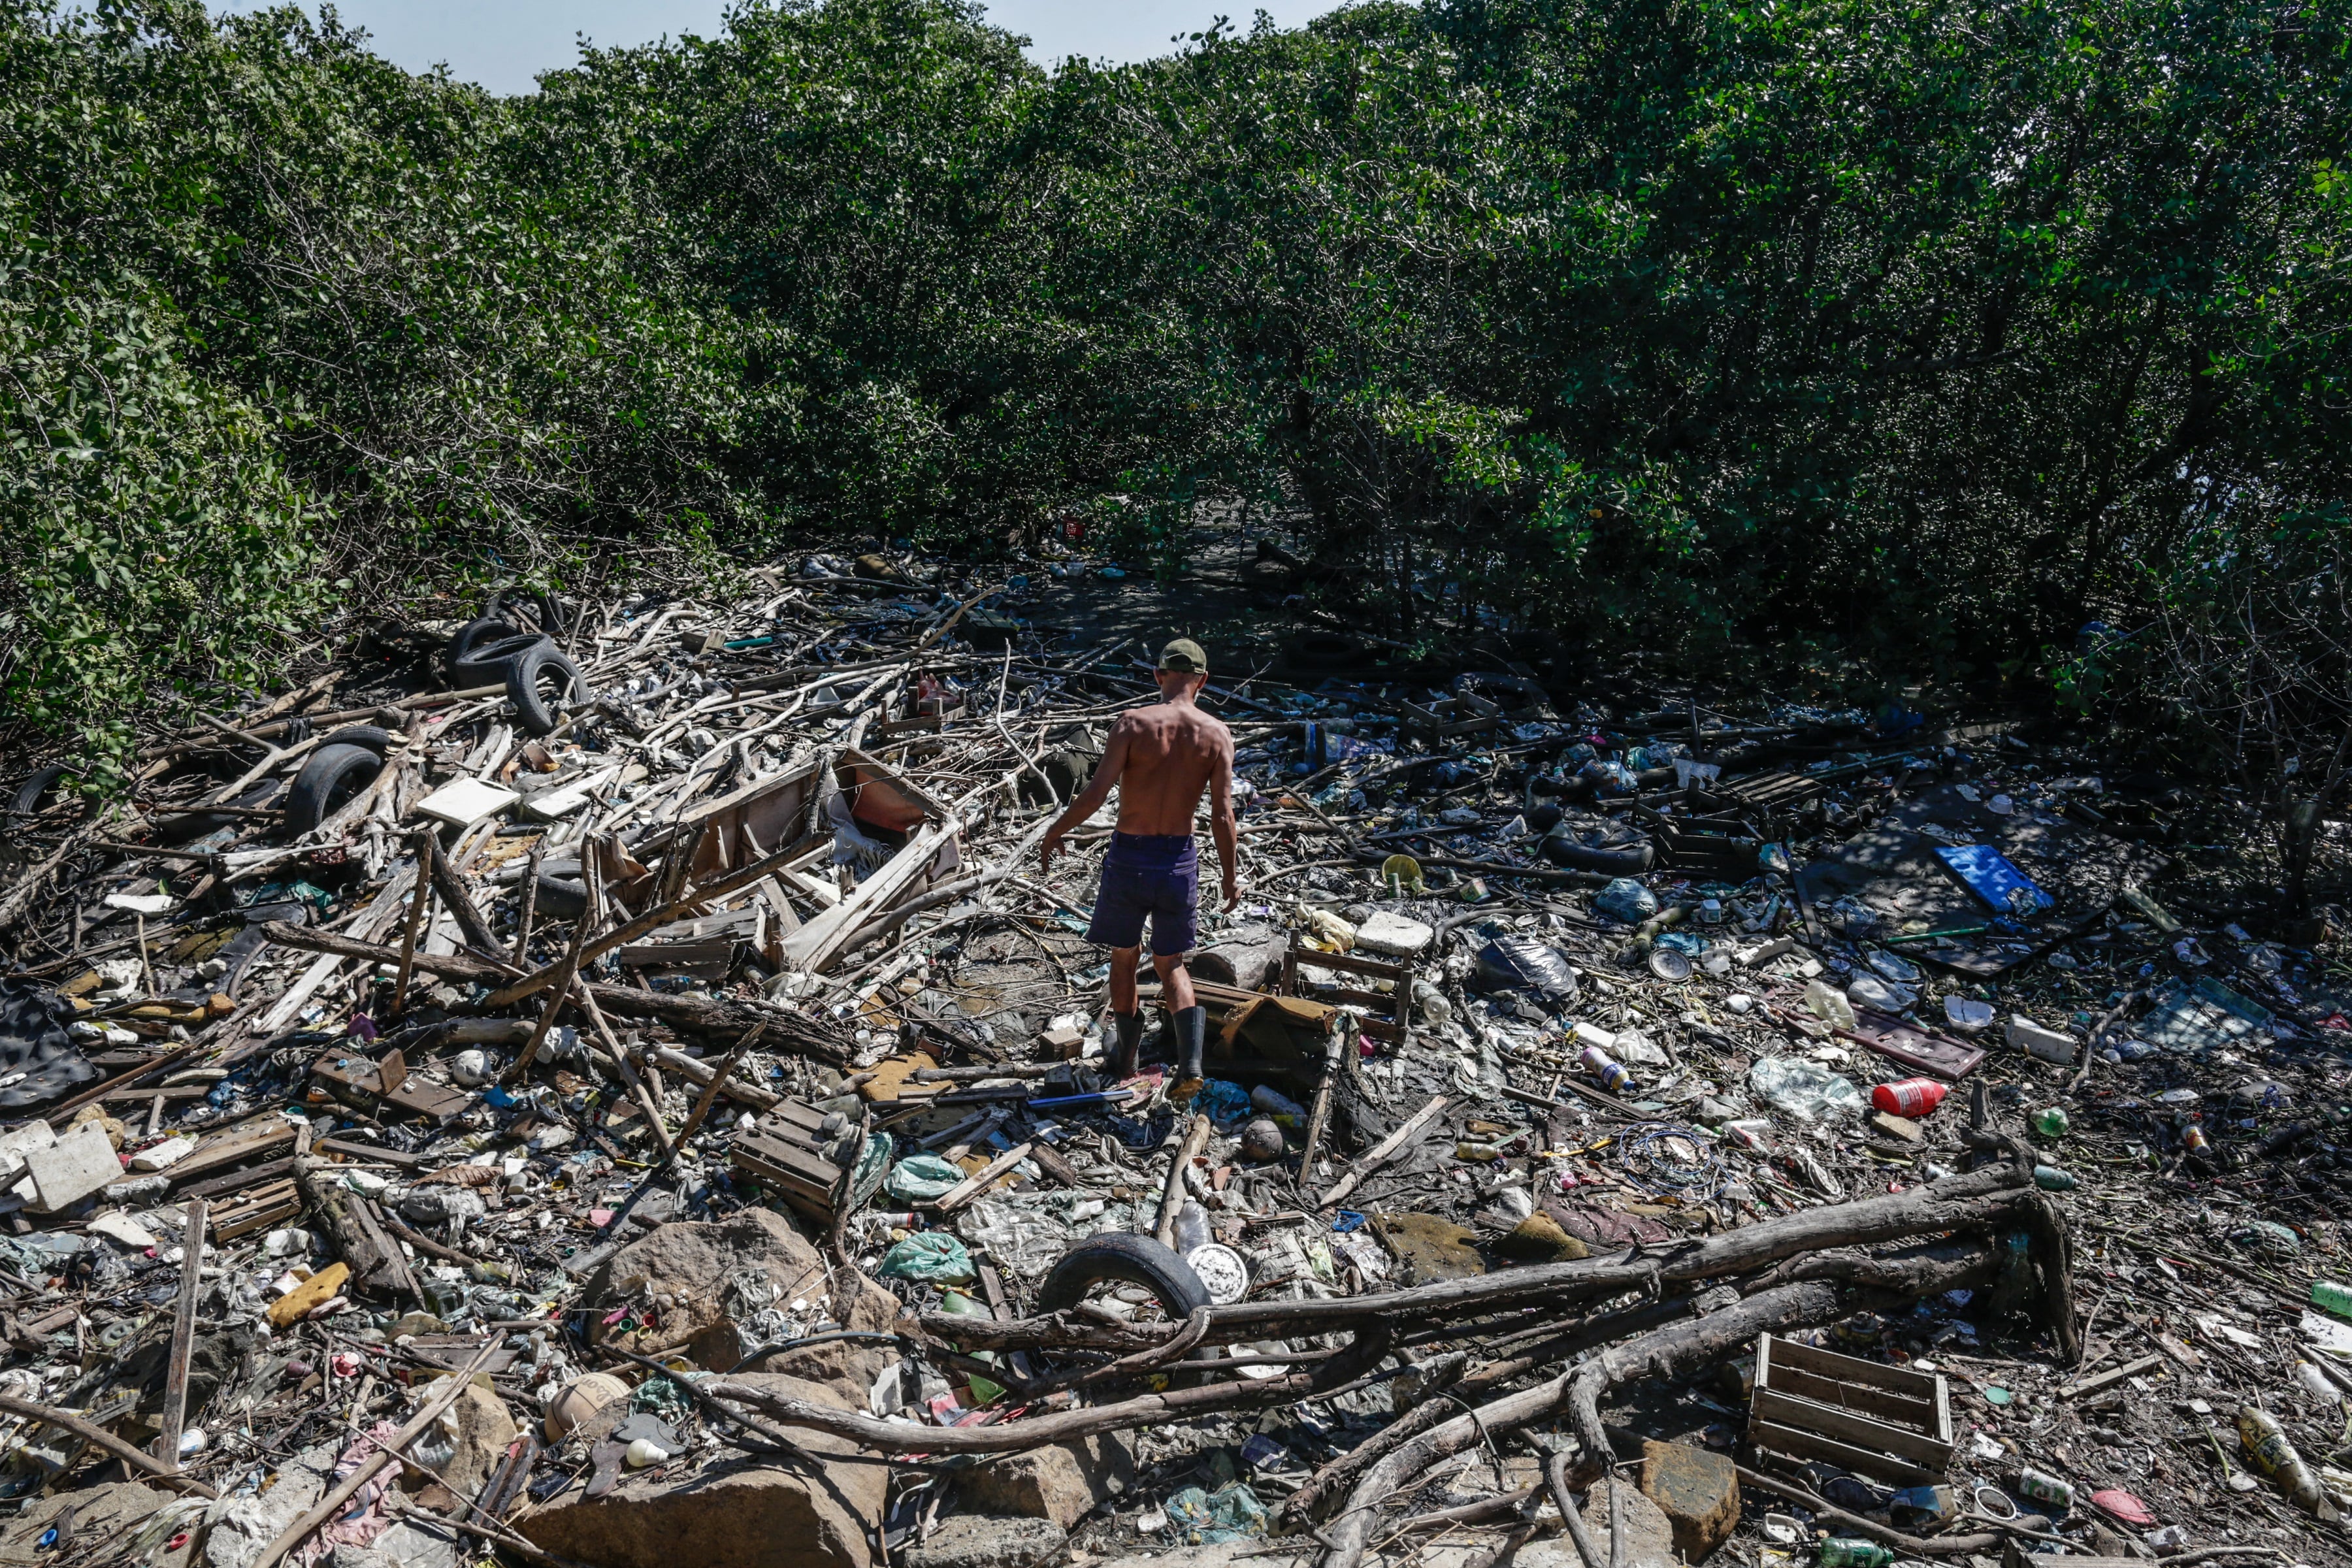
610 1084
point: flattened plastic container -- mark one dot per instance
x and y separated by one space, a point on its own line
1521 963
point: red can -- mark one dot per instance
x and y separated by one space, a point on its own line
1912 1096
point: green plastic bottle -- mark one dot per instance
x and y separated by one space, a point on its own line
2332 1296
2051 1179
1852 1552
2051 1121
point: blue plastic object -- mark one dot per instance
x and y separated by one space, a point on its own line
1986 873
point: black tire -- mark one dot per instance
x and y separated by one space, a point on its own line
374 738
543 661
331 776
486 659
479 634
1136 1259
35 792
1625 860
561 897
1544 819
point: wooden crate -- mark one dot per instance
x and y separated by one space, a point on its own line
788 1149
1388 1017
1723 849
1880 1421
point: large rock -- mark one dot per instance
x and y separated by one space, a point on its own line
105 1514
1649 1535
739 1514
972 1541
484 1430
1061 1481
1697 1491
690 1273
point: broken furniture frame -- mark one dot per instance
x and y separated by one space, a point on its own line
1386 1018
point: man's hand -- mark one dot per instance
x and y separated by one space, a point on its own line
1046 850
1233 894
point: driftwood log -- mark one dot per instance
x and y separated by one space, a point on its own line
2000 1194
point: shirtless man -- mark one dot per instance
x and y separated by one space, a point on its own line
1161 757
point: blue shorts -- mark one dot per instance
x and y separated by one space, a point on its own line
1155 875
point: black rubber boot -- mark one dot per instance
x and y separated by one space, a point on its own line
1191 1028
1131 1044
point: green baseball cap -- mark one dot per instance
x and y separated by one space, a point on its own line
1184 655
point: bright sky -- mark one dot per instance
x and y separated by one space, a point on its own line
504 45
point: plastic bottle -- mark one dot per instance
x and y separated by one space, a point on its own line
2274 1454
1612 1075
1911 1097
2043 1487
1753 1134
2051 1121
2330 1296
2051 1179
1852 1552
1271 1101
1192 1226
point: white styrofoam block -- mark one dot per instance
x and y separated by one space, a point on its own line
464 801
156 1156
1392 935
2034 1040
72 1168
15 1146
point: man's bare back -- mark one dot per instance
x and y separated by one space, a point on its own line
1165 756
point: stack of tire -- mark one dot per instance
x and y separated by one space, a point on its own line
487 651
494 649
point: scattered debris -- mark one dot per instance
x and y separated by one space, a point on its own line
610 1084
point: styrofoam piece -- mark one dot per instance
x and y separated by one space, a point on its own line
72 1168
462 802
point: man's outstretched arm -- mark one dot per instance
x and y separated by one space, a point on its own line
1222 826
1087 801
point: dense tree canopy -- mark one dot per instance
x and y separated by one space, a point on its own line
1927 329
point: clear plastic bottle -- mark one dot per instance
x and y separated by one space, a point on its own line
1192 1226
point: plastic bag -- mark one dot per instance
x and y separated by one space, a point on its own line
1026 1233
1626 899
1805 1091
1222 1102
1519 962
919 1178
931 1256
873 1165
1828 1004
1233 1514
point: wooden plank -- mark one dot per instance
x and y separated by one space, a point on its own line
1779 1409
971 1187
352 1148
183 1334
2109 1378
252 1175
232 1148
1863 1461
